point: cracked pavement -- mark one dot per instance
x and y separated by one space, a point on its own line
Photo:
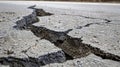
98 30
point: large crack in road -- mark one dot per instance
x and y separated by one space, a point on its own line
72 47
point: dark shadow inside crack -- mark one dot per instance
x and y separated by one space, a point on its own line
68 57
59 41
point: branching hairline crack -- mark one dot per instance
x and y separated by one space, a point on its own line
107 20
25 51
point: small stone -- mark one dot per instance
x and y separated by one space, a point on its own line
1 20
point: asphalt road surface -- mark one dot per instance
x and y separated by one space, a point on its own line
96 24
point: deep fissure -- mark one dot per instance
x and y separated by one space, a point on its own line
71 43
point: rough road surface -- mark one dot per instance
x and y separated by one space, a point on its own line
55 36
